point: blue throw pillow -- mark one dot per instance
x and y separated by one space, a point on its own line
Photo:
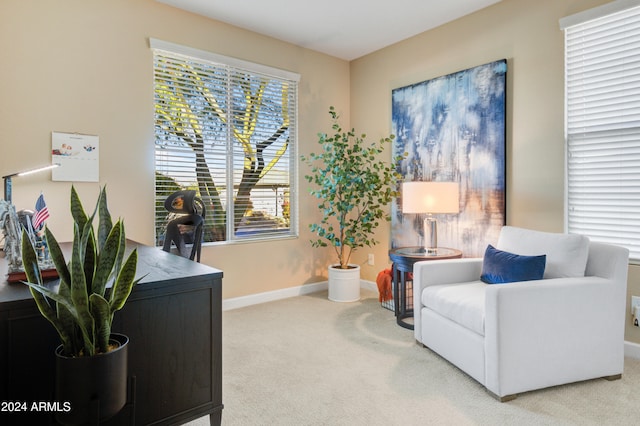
499 267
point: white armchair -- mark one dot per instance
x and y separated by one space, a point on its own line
527 335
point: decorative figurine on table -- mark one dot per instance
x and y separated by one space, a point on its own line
11 224
11 230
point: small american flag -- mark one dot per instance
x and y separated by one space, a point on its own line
41 214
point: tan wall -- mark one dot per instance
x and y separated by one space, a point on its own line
78 66
528 35
86 67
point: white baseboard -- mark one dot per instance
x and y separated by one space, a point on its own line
369 285
270 296
632 350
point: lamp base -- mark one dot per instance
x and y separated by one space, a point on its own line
430 235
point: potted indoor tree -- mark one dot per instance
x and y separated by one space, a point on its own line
91 362
353 185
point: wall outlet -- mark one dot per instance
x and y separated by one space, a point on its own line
635 310
371 261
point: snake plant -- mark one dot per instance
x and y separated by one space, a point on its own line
93 285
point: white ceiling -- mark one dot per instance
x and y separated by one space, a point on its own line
346 29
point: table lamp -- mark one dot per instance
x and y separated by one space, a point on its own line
8 184
430 198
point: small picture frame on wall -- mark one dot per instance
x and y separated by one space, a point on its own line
78 156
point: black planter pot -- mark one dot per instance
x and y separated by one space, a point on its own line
95 387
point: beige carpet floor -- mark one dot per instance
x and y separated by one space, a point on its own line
309 361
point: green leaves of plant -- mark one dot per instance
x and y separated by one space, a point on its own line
125 282
353 184
102 313
83 314
111 247
104 218
77 211
30 260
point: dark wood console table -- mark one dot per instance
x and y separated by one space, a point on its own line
173 320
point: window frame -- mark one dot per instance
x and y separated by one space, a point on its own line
598 183
233 66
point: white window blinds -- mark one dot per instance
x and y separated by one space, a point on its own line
227 129
602 65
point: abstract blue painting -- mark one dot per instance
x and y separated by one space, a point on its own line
452 128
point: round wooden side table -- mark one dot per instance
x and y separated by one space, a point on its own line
403 259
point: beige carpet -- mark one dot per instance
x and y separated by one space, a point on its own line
309 361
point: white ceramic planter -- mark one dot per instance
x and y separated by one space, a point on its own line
344 284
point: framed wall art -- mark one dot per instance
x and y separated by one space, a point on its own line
78 156
453 128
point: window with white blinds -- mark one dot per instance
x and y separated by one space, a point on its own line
602 65
226 129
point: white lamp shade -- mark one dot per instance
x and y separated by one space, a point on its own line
430 197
